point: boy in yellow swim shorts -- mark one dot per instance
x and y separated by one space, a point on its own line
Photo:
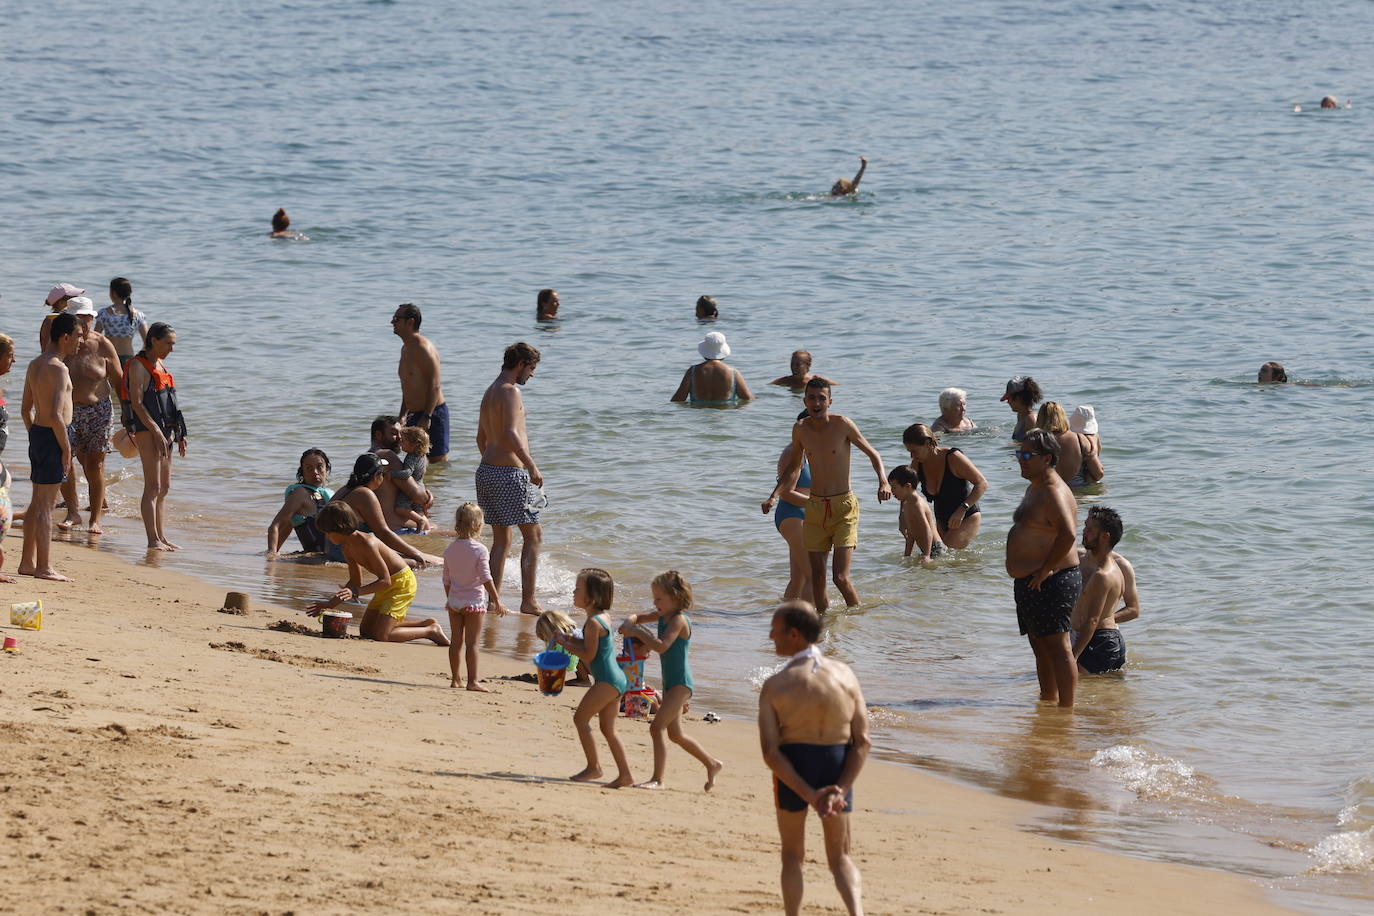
392 591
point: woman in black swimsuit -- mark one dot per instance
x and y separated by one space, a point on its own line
959 485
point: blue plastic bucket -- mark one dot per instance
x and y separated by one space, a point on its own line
552 666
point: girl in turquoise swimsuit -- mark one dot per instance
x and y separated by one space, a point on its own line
593 594
672 598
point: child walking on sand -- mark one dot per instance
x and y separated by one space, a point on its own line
672 598
593 594
467 574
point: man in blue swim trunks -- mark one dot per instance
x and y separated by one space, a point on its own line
422 396
47 411
813 725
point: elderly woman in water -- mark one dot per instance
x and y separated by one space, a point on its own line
953 419
711 382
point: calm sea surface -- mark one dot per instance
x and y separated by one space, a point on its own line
1117 199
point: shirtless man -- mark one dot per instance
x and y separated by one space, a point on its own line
92 368
422 398
1105 650
832 511
801 372
1042 561
844 186
813 725
546 305
386 439
47 410
507 472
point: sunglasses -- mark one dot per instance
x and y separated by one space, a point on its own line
1027 456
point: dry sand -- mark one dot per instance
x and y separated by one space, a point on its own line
161 756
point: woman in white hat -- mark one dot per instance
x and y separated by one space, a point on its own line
1083 423
712 383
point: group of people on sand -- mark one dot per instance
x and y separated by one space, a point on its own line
87 360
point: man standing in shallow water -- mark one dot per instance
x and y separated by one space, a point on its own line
1044 564
422 397
507 471
93 368
832 512
813 726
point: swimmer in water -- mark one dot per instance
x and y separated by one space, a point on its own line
1330 101
1272 372
845 186
281 227
707 308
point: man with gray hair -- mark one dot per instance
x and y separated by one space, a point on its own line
813 725
1044 564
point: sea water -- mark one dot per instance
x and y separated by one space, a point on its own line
1117 199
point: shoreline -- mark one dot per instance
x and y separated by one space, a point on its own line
222 764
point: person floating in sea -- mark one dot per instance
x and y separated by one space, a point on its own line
301 504
707 308
1272 372
93 368
832 511
1022 394
670 639
1095 634
953 412
813 726
801 373
546 305
422 395
468 592
392 590
47 411
507 473
845 186
712 383
281 228
958 485
1043 563
594 593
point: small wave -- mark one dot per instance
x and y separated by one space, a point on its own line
1347 851
758 675
1147 774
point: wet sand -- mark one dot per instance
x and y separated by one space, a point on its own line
163 756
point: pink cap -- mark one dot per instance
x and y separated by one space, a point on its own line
63 291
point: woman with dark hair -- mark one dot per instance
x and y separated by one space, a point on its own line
1022 394
369 471
787 502
155 422
302 503
120 321
958 485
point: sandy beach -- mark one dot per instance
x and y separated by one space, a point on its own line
163 756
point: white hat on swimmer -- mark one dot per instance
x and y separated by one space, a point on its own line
714 346
79 305
1084 420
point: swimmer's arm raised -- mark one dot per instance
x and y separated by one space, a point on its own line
770 737
683 388
863 165
1129 596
